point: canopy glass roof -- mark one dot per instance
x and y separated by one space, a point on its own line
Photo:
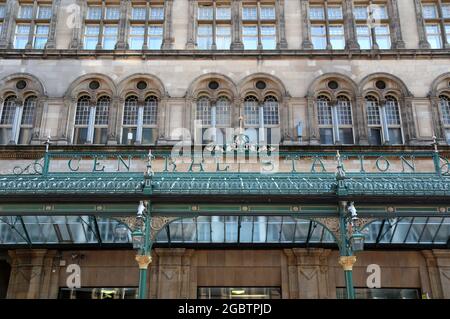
281 230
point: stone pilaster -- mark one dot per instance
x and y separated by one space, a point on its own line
423 43
438 128
8 24
78 13
34 274
311 124
361 121
351 41
51 41
306 30
397 38
121 39
173 273
168 39
192 22
307 273
443 266
282 42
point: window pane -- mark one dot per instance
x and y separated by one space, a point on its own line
150 111
2 11
375 136
26 12
223 37
109 37
360 12
395 136
249 13
373 111
94 13
379 11
203 111
318 37
346 135
223 13
45 12
337 39
21 38
392 111
205 13
136 37
250 37
326 136
251 111
267 13
138 13
383 37
268 37
429 11
344 111
9 110
82 112
364 37
112 13
102 111
316 13
204 38
271 111
324 111
157 13
446 10
334 13
445 109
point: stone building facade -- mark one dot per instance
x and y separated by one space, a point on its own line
305 75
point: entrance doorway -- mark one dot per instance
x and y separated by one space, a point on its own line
5 272
239 293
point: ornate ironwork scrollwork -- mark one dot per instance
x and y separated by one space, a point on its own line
35 168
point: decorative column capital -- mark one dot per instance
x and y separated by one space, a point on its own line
143 261
347 262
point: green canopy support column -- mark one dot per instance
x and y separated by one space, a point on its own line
346 258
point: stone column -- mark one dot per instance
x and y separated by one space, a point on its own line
411 134
173 273
281 27
423 43
351 41
192 22
34 274
438 128
397 37
308 273
236 42
167 37
121 39
8 24
361 121
113 125
51 41
306 30
311 124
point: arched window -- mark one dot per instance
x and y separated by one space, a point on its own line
91 121
444 104
139 123
384 121
223 112
203 111
335 121
251 111
271 116
16 120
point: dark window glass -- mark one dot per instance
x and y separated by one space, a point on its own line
128 132
375 136
395 136
239 293
326 136
148 135
81 134
380 293
346 135
98 293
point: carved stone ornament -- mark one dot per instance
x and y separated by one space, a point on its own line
143 261
347 262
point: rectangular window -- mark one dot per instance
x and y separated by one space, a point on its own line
26 12
223 37
360 12
250 37
91 37
109 37
249 13
433 36
138 13
346 136
2 11
204 36
429 11
395 136
205 13
319 37
112 13
446 11
268 13
375 136
156 13
381 293
364 37
268 37
337 38
316 13
41 35
94 13
136 37
155 37
447 32
44 12
21 36
383 36
335 13
326 136
223 13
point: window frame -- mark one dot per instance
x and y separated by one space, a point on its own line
325 22
149 40
33 21
440 20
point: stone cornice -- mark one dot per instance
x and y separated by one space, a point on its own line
225 54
